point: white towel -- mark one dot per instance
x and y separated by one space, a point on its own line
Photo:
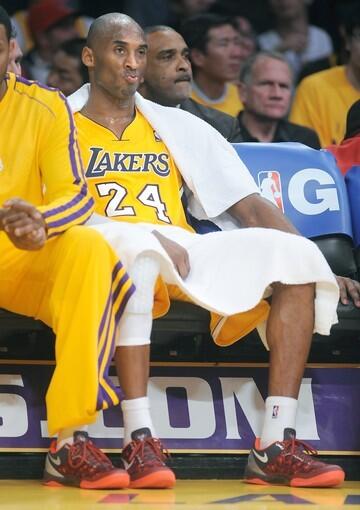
232 271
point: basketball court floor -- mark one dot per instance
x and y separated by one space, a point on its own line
188 495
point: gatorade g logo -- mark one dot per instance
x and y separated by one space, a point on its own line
313 191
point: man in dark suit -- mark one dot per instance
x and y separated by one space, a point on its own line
266 83
167 80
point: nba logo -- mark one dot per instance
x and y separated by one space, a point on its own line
275 411
270 187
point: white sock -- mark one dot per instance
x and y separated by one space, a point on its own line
136 414
280 413
66 436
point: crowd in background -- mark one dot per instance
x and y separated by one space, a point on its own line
288 70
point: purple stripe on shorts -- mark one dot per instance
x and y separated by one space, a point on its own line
112 299
102 394
119 286
117 268
123 304
118 315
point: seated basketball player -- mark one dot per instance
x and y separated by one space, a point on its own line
136 155
57 271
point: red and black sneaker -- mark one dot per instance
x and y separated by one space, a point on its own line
143 459
83 465
290 462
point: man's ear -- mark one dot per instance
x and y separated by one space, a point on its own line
197 57
87 57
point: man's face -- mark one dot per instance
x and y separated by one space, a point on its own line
268 94
15 56
222 59
65 73
4 58
287 9
168 70
117 63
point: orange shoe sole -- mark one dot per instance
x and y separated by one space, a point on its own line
163 479
328 479
116 480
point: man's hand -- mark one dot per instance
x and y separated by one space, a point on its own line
2 214
23 224
348 287
177 253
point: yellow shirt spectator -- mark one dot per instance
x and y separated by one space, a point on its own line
322 101
229 102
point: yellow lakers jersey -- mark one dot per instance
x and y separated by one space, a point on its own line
229 103
133 178
39 157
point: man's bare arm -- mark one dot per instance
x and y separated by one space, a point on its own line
256 211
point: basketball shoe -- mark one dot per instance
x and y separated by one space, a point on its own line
144 459
290 462
83 465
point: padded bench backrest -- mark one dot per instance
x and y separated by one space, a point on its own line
307 186
352 181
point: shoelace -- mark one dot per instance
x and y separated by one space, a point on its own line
152 454
296 444
295 455
86 453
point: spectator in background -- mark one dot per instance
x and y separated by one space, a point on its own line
167 80
323 99
164 12
20 20
68 72
248 40
15 57
300 42
347 153
216 57
266 83
51 22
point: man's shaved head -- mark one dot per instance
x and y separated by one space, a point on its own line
115 55
103 27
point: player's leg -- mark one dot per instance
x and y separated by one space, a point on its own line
78 287
143 454
278 457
